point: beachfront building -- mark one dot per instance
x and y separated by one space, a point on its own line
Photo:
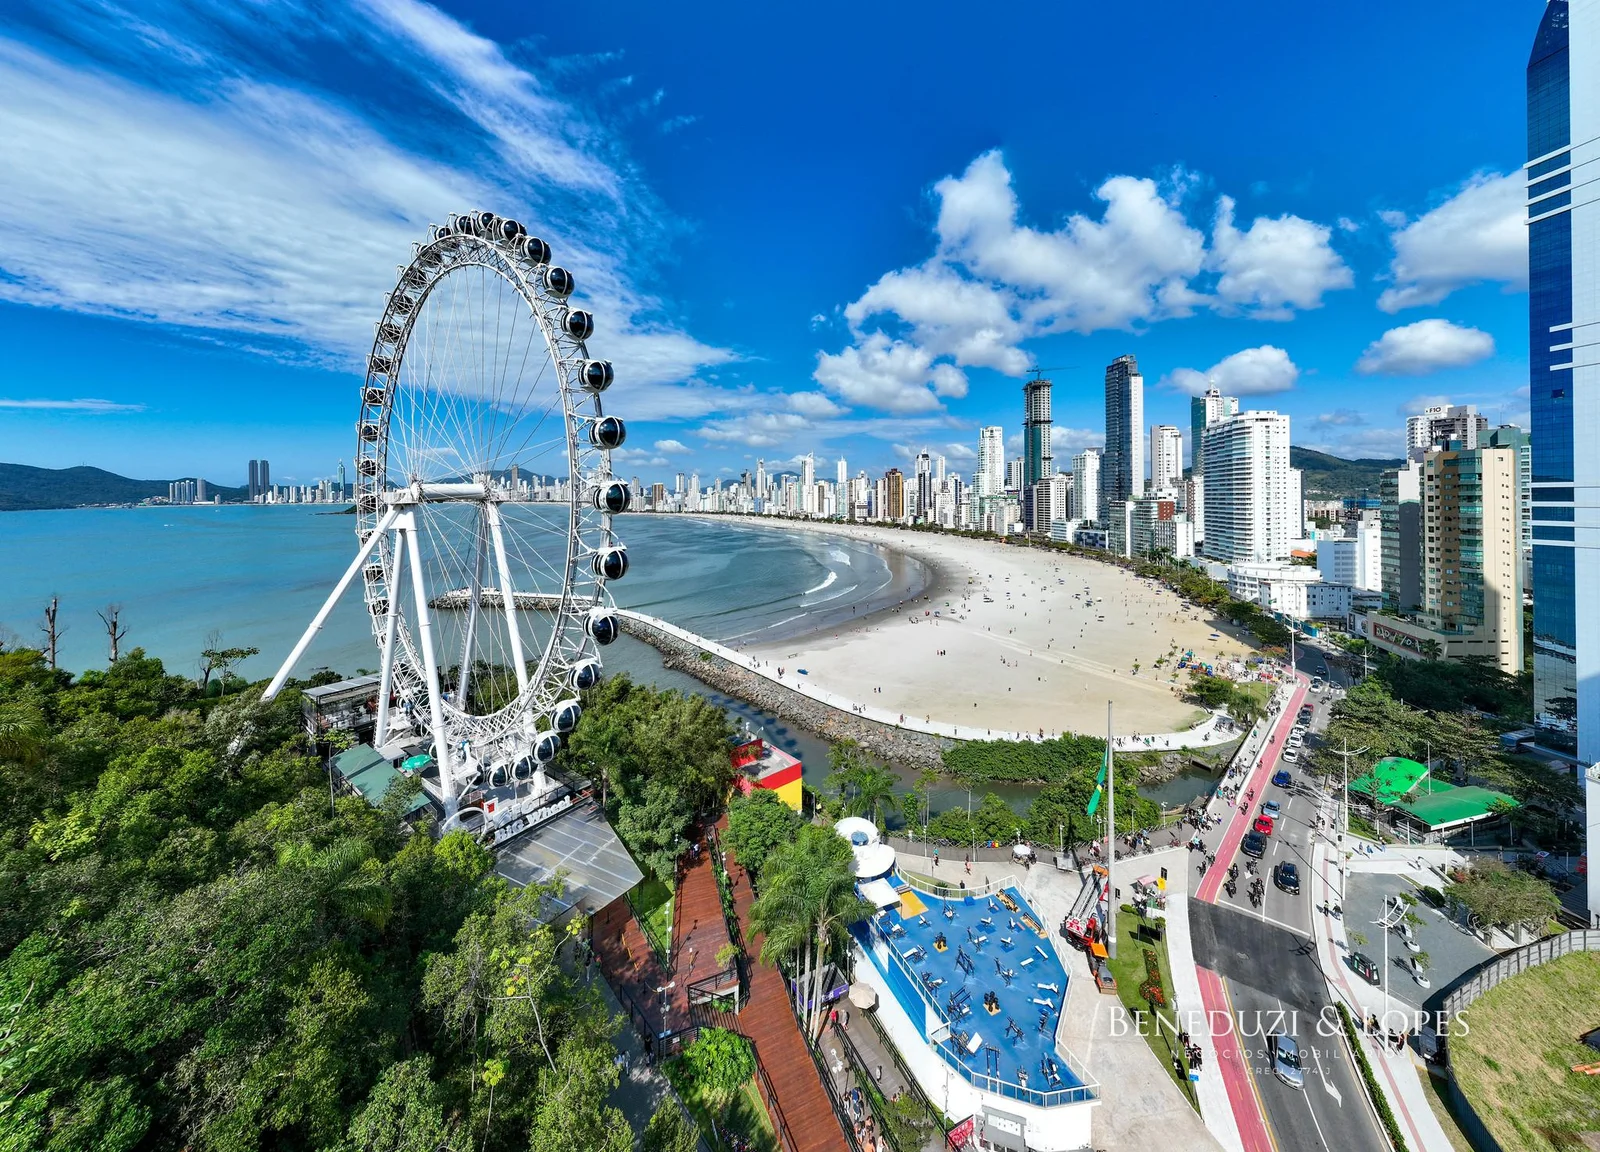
1037 462
1049 500
1250 496
970 989
1086 486
1293 590
1122 469
989 481
1518 440
1166 457
1471 563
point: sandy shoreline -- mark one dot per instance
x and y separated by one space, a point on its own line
1024 639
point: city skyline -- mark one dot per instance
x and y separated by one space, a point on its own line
1301 283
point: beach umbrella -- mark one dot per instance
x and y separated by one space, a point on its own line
864 996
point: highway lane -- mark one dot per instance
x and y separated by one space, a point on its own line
1274 984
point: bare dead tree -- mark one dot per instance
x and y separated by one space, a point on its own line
114 631
52 631
9 640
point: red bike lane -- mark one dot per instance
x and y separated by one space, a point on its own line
1255 782
1234 1065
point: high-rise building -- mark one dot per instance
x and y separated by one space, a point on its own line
1248 489
808 483
1400 525
924 495
1122 470
894 495
1037 463
1510 436
1014 474
260 480
1086 486
1356 558
1166 458
842 476
1472 557
1564 384
1441 425
1205 410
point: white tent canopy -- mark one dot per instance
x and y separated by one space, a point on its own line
880 892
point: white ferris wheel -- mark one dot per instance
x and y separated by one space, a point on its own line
484 503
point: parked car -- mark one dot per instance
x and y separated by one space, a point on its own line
1291 755
1263 825
1282 778
1362 965
1286 1061
1253 844
1287 877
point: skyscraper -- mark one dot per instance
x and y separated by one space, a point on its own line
260 480
1037 463
1400 521
808 483
924 495
1248 489
842 476
1205 410
1564 385
1086 485
1166 457
1122 470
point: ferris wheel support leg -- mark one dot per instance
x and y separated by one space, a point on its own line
508 596
386 681
441 746
480 548
327 606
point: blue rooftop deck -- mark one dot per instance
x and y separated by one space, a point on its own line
990 999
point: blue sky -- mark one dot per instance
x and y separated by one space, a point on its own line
846 231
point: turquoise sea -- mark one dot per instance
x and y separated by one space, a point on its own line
259 574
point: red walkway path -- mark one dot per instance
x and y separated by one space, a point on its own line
802 1104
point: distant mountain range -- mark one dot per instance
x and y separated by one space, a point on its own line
22 487
1329 477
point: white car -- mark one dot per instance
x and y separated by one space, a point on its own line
1291 755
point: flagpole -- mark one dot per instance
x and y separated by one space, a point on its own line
1111 839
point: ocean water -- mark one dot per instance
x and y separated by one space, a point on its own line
258 575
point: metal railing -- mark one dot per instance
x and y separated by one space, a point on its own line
1516 962
662 949
874 1096
931 887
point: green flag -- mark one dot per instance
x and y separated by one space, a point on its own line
1094 802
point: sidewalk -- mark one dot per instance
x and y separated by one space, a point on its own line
1397 1073
1190 1006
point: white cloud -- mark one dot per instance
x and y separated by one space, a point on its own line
994 282
87 406
757 429
671 446
1423 347
1252 372
1342 418
1354 443
960 453
1064 439
228 194
1275 266
816 405
890 375
1477 235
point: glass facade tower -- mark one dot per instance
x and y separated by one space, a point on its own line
1564 376
1037 462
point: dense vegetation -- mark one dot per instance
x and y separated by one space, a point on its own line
1371 717
1332 476
1025 762
200 948
663 757
23 486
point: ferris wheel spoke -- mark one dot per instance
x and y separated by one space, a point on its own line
512 406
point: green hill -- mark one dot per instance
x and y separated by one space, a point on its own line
23 486
1329 477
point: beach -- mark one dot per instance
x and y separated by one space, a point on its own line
1010 638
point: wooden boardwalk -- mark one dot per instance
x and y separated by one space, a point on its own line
699 930
631 968
802 1104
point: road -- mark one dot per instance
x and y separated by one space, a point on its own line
1265 956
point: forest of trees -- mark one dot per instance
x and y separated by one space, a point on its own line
201 948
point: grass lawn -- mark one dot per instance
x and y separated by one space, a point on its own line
655 903
1129 970
1515 1062
1438 1093
746 1115
1260 689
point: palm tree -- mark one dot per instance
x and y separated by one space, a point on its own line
808 902
1431 649
874 791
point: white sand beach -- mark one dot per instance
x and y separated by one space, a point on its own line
1023 640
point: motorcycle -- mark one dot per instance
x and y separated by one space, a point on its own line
1256 892
1250 867
1231 888
1233 872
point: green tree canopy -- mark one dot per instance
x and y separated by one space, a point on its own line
758 824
